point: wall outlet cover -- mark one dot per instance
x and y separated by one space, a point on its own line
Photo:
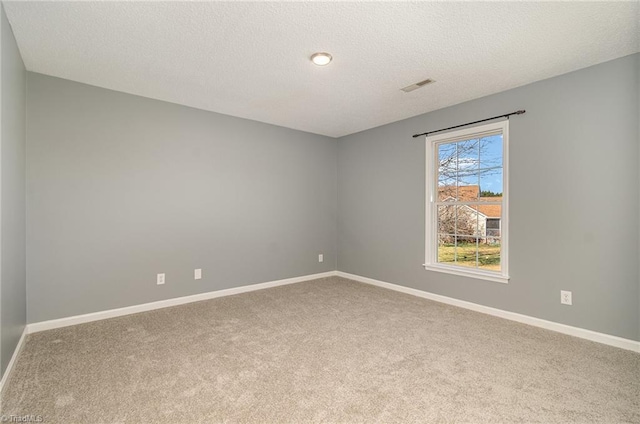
160 279
197 274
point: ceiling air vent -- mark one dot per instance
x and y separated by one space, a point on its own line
417 85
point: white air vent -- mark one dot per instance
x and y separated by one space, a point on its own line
417 85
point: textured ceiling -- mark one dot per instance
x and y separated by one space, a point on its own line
252 59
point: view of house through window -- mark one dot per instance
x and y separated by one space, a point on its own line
467 200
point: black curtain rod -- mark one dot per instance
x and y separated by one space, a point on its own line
518 112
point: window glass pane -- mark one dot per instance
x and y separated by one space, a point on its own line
466 222
447 159
462 189
468 189
446 187
446 220
490 182
489 254
446 249
447 172
468 155
466 251
447 192
490 169
490 152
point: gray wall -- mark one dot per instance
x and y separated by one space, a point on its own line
12 194
120 188
574 203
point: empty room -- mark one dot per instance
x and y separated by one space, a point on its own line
319 212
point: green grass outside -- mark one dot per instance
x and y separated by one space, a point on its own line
489 255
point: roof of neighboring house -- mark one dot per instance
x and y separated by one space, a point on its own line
471 193
491 211
462 193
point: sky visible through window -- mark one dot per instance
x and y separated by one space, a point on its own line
472 162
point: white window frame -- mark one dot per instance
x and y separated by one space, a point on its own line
431 224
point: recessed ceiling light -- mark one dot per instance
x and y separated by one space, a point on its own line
321 59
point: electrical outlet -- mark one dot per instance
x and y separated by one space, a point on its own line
160 279
565 297
197 274
321 258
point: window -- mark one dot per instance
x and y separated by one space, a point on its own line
493 227
467 203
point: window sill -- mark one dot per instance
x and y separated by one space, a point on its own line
467 273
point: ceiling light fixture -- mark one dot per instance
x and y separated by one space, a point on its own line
321 59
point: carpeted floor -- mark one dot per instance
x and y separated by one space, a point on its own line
329 350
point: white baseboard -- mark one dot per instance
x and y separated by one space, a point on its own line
525 319
112 313
14 358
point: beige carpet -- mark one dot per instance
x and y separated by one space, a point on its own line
329 350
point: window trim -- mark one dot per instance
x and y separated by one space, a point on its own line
431 263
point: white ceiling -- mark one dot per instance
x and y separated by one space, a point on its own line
252 59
